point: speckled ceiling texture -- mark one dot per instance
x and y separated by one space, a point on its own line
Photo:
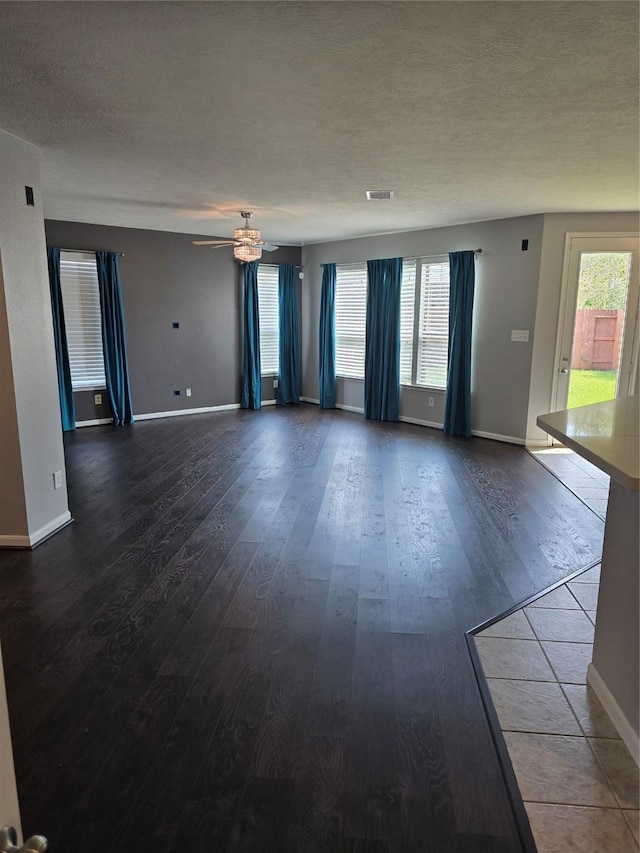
176 115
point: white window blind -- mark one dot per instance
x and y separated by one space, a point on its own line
351 318
433 331
407 312
268 317
83 319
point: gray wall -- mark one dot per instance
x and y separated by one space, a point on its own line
30 431
505 299
13 508
165 279
86 407
616 646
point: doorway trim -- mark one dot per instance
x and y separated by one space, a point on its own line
568 237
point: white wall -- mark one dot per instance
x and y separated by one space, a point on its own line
9 809
616 646
556 227
505 299
30 409
13 509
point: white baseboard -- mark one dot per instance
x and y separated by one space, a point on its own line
432 424
355 409
622 725
7 541
149 416
536 443
418 422
494 436
96 422
38 536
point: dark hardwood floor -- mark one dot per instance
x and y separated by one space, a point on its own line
252 636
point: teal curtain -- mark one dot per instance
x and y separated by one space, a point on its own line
382 348
65 391
114 342
457 410
327 353
288 336
251 397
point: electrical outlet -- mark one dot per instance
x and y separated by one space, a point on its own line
275 383
57 479
97 399
521 335
187 391
431 402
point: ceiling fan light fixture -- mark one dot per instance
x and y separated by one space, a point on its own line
246 234
246 253
250 235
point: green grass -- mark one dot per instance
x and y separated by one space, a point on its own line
591 386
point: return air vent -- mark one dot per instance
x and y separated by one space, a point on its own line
379 195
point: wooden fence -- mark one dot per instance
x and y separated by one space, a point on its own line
596 339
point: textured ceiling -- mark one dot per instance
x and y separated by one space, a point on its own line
175 116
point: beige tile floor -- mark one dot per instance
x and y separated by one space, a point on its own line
578 782
586 481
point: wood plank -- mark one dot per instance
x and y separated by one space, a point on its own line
371 801
329 710
155 819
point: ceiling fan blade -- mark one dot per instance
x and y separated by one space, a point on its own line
267 247
213 242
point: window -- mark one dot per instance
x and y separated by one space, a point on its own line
351 318
268 318
407 315
424 322
83 319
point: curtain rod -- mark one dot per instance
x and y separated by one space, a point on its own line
89 252
419 257
408 258
267 264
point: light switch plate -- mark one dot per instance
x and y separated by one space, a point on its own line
521 335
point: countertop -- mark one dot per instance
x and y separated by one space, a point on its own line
606 434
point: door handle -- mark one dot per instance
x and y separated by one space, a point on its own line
9 842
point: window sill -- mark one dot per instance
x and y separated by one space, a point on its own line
402 384
437 390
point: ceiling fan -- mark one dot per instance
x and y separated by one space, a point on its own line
247 245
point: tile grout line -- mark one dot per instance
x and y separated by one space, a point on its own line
583 736
576 805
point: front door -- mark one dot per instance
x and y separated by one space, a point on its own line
599 317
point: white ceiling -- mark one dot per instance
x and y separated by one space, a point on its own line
175 116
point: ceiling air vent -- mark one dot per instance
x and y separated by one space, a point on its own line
379 195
